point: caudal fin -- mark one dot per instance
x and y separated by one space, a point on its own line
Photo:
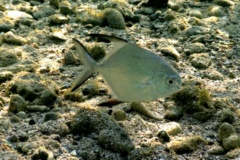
88 62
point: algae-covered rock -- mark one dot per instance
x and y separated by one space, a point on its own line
6 24
110 134
107 17
225 131
74 96
54 127
97 52
227 116
163 136
29 87
17 103
196 101
54 3
51 116
114 18
119 114
43 11
66 7
231 142
7 57
224 3
91 16
121 5
186 144
5 76
42 153
115 142
70 58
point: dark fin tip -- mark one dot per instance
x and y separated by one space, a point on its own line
105 38
110 103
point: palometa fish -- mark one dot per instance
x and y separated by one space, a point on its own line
133 74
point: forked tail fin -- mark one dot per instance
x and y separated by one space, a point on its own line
88 62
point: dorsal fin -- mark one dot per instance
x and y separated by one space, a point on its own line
118 43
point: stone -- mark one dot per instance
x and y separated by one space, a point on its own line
201 60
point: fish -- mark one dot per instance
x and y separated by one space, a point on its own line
132 73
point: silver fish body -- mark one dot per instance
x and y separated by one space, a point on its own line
133 74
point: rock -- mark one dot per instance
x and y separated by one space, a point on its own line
227 116
153 3
110 135
233 154
54 127
216 150
121 5
13 138
173 128
114 18
231 142
113 141
17 103
173 112
28 86
119 115
58 35
191 48
58 19
174 5
70 58
22 114
196 13
29 146
5 75
213 75
43 11
197 30
15 14
15 119
74 96
66 8
169 15
216 11
186 144
11 38
170 50
91 16
51 116
42 153
224 3
163 136
225 131
54 3
195 100
97 52
6 24
201 60
37 108
7 57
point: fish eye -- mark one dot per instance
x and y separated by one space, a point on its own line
170 81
